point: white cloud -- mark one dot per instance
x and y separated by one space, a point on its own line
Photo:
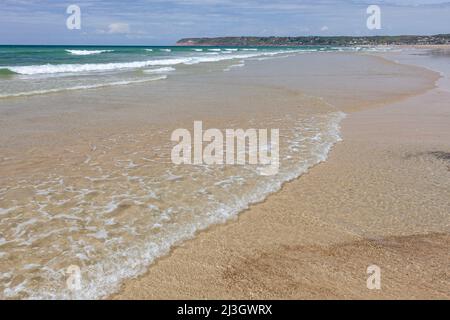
324 28
121 28
118 28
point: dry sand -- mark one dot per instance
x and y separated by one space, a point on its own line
381 198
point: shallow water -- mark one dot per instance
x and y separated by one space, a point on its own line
113 206
87 179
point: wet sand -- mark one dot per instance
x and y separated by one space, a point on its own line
381 198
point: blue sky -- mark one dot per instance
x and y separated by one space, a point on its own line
165 21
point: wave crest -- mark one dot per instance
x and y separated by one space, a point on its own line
86 52
81 87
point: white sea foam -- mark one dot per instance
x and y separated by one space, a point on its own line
160 70
80 87
87 52
6 211
239 65
92 67
98 67
166 50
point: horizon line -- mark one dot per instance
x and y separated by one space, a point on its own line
216 37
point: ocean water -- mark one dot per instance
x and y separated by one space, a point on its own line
32 70
115 204
437 60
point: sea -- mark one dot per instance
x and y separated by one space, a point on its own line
33 70
79 219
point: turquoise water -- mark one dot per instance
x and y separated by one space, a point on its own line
39 55
32 70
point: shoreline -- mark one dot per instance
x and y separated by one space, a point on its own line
335 235
132 207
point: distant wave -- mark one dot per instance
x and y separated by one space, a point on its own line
166 50
80 87
87 52
90 67
160 70
149 50
113 66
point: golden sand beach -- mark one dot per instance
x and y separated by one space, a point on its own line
86 180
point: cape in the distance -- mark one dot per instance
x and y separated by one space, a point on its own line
440 39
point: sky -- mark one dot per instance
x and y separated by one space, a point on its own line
163 22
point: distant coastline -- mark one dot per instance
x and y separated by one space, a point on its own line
440 39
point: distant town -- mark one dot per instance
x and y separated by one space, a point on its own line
440 39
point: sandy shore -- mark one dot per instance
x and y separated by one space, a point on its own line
381 198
